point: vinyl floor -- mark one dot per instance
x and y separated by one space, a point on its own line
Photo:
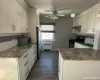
46 68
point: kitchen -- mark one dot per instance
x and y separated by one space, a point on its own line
68 49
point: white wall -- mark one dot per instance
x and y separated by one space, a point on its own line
63 28
32 22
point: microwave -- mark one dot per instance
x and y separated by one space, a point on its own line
24 40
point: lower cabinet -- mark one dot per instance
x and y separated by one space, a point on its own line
17 68
26 62
8 69
78 69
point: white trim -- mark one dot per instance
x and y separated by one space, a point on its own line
54 49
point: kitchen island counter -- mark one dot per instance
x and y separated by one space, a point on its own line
79 54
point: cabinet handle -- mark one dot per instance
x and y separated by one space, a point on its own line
34 52
27 73
26 63
25 55
13 27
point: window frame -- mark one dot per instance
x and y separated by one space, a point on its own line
47 31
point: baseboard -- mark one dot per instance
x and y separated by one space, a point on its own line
54 49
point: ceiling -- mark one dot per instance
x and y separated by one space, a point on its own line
76 6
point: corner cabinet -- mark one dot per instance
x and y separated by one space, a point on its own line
88 20
13 17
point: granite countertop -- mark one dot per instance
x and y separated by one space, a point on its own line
15 52
79 54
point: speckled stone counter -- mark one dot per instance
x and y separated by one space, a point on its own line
15 52
79 54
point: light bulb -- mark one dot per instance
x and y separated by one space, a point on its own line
73 15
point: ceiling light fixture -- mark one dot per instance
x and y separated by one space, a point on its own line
72 15
54 17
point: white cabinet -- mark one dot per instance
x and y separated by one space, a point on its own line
91 22
83 22
8 69
26 62
31 57
23 20
17 68
78 69
75 21
78 45
97 20
5 26
13 17
23 66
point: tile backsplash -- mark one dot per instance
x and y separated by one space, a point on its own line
7 42
9 38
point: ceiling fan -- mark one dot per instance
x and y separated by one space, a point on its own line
55 14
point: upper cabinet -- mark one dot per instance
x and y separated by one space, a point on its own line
83 22
23 20
91 22
97 20
88 20
75 22
5 19
13 17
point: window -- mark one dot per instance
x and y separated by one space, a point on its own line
48 32
47 28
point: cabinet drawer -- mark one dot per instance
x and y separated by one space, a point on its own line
24 70
26 67
23 59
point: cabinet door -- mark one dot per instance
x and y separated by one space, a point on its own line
15 17
75 21
32 54
26 21
23 20
23 66
33 58
97 20
83 22
5 26
91 22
